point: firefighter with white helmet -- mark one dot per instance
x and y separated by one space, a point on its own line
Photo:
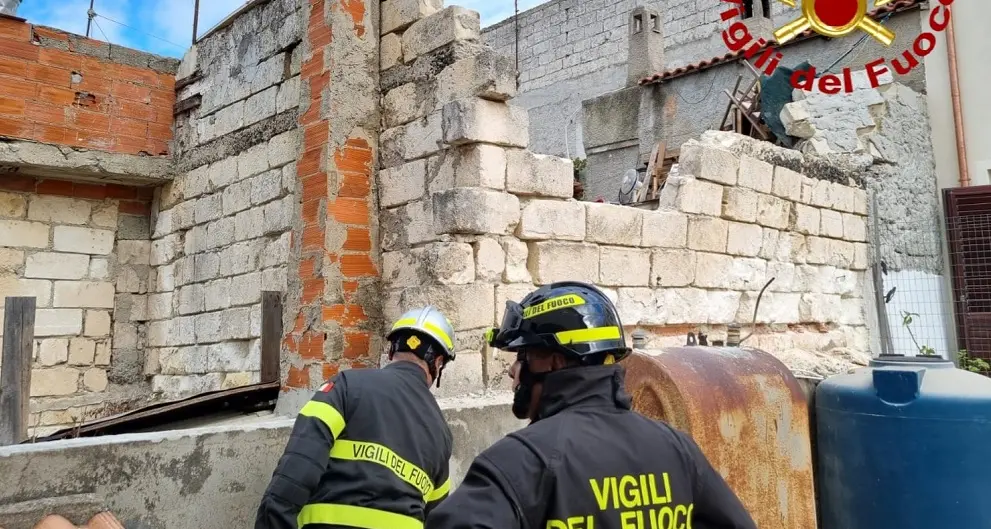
370 450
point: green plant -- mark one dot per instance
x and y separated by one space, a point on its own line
580 165
974 365
907 319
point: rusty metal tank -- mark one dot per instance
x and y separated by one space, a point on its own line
749 416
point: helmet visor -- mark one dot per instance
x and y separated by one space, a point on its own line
513 327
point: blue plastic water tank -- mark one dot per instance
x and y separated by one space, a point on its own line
904 444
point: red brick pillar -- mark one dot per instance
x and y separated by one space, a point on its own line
337 324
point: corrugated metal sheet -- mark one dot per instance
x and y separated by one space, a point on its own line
660 77
749 416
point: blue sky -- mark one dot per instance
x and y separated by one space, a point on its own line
165 27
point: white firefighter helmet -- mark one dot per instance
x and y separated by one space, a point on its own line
429 321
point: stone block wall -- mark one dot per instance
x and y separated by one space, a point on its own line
887 128
448 138
70 90
563 39
740 213
220 230
471 218
82 251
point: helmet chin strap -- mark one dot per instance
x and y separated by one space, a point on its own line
435 374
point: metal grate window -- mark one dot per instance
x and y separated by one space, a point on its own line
968 234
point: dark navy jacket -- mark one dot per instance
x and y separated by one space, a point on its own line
370 450
589 462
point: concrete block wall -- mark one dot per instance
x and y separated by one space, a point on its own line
563 39
575 50
69 90
81 250
221 229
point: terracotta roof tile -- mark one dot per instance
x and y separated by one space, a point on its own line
893 7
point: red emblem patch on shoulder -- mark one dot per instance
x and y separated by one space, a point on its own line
327 387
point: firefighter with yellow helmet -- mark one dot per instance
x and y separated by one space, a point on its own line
586 461
370 450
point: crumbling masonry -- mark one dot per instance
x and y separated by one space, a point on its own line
471 218
362 158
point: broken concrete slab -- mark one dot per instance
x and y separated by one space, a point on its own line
58 161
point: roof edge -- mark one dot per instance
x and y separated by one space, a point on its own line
667 75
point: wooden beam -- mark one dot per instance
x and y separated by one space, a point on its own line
15 372
746 114
729 106
879 301
656 169
644 191
187 104
271 336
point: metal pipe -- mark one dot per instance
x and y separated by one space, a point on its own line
89 16
951 54
196 19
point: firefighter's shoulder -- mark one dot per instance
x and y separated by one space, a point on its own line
348 379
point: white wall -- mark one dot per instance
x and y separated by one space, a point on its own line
973 43
970 19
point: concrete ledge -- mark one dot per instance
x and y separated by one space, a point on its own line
51 161
205 478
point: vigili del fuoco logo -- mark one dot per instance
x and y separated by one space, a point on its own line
834 19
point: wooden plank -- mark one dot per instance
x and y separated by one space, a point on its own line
271 336
882 307
729 106
747 115
753 70
15 373
187 104
655 167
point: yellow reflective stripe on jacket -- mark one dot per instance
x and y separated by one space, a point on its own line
326 414
439 492
350 516
411 322
587 335
376 453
